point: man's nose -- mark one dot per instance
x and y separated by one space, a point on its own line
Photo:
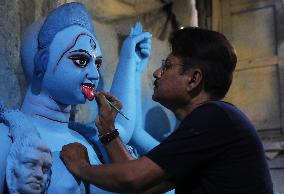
157 73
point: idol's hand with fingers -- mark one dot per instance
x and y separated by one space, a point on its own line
145 50
107 114
137 47
142 49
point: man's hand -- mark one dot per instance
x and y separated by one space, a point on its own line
107 114
75 156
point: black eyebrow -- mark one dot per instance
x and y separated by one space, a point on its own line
81 50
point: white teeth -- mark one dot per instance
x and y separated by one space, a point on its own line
88 83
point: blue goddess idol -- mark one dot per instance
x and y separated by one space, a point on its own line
61 57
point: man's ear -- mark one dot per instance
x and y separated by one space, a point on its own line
40 61
195 78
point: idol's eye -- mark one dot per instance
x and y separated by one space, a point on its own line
45 169
80 60
29 165
98 62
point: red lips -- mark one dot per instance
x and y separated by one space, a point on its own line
88 91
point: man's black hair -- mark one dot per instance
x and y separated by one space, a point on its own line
209 51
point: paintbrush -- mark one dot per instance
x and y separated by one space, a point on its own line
113 106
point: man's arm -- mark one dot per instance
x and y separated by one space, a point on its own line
125 176
117 151
161 188
105 124
130 176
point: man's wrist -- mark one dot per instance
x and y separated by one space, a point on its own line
106 129
83 169
79 167
109 136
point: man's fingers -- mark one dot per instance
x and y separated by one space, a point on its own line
109 96
118 105
98 122
112 99
72 145
101 100
73 153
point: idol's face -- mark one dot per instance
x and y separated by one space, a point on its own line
32 171
72 72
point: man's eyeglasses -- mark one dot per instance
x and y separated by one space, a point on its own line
166 65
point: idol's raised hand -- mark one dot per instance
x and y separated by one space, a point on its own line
143 48
137 47
132 61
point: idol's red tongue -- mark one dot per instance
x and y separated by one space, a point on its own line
88 91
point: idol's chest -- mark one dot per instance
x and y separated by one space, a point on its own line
62 181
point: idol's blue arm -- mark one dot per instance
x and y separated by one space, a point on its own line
134 53
141 139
